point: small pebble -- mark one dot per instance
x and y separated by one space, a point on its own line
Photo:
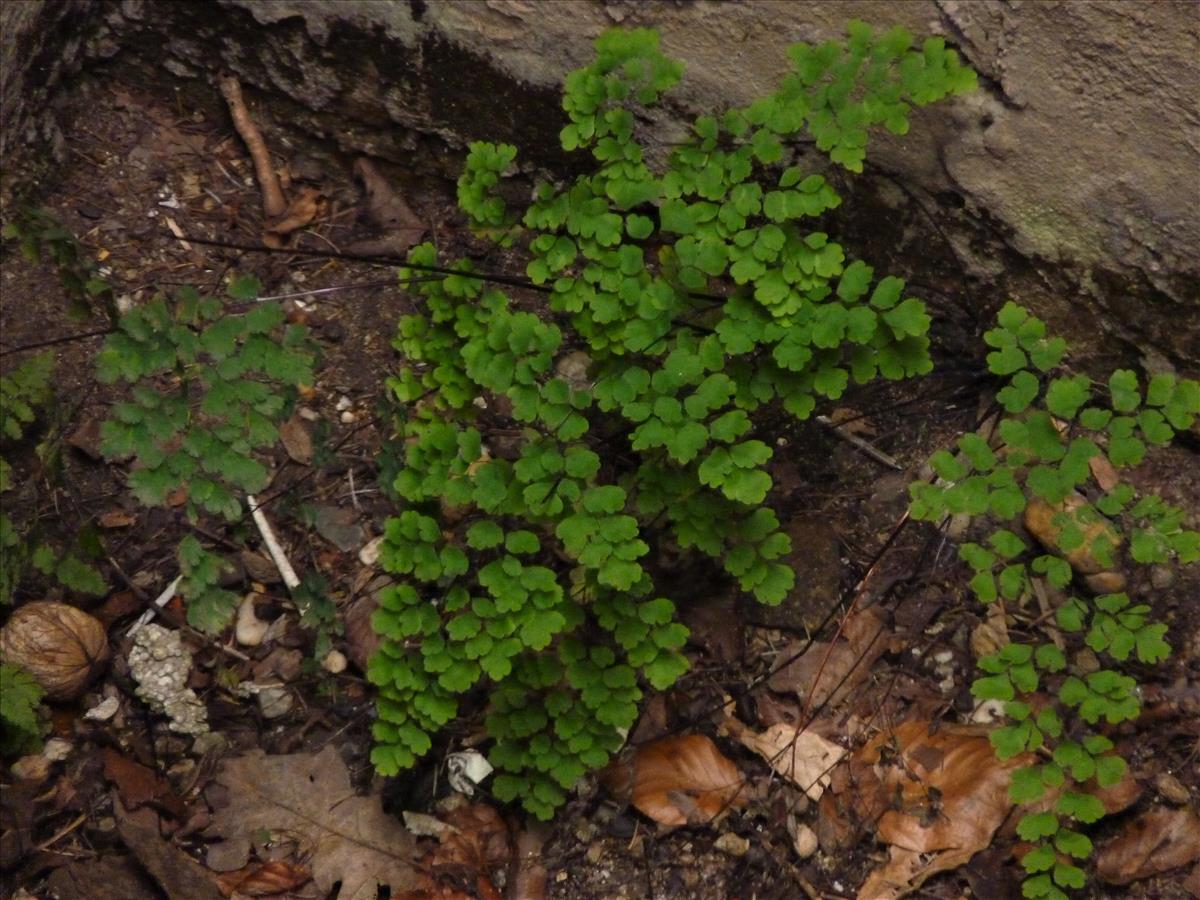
343 403
369 554
104 710
348 418
334 662
56 749
1171 789
733 844
805 842
31 768
274 702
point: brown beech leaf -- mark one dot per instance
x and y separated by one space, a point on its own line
116 518
264 879
949 795
1156 841
678 781
139 785
296 440
355 842
802 756
299 213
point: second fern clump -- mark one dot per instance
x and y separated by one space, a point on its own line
1050 462
682 304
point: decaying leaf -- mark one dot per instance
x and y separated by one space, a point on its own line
1156 841
350 839
802 756
829 672
681 780
296 440
264 879
949 795
305 207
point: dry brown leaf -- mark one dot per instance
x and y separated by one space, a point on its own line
264 879
802 756
830 672
386 208
950 795
297 440
352 840
681 780
139 785
299 213
1156 841
116 518
991 634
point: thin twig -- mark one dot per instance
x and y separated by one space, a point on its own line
855 441
162 600
277 555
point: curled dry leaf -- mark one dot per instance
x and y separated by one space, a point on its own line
264 879
299 213
949 795
678 781
800 755
1156 841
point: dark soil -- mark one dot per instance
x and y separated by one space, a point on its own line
141 156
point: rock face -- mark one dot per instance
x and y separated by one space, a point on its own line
1069 181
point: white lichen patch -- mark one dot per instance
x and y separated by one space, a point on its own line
160 664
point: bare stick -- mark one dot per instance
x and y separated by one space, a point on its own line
277 555
854 440
159 603
274 203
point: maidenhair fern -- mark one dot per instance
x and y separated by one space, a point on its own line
1056 427
682 303
209 388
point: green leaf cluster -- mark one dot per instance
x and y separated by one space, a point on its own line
209 387
1055 425
526 567
20 727
24 393
42 236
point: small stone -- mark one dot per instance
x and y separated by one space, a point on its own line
31 768
339 526
733 844
250 629
805 842
343 403
1105 582
308 415
104 710
274 702
259 568
56 749
334 662
1161 577
369 554
209 742
595 853
1171 789
348 418
1086 662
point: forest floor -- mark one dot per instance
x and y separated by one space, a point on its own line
119 807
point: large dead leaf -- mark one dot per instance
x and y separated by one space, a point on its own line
678 781
950 795
1154 842
348 838
802 756
830 671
